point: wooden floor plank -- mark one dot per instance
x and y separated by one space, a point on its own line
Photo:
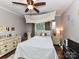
59 52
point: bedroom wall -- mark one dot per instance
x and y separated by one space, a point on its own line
58 21
70 21
59 26
8 19
28 27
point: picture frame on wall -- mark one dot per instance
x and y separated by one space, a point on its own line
12 28
39 27
7 28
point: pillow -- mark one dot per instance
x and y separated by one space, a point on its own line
42 34
48 33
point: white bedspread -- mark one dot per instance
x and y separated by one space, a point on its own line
38 47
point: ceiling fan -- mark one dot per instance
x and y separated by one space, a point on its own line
31 5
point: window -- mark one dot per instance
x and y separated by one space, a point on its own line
53 25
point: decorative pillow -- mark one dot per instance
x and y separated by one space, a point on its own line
42 34
48 33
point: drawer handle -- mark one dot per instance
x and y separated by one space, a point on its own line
13 42
5 46
6 49
14 46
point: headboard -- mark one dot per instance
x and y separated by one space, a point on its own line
74 45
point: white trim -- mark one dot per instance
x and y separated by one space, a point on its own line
3 8
69 7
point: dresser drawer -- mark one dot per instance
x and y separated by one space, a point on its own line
14 42
3 42
12 45
4 51
8 44
3 46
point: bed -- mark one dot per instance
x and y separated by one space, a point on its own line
38 47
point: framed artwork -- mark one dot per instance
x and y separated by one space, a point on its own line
39 27
12 28
7 28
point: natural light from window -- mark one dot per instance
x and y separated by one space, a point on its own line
53 25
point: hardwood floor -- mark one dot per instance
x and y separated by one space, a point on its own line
9 54
58 50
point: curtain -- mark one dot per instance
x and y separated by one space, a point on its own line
40 18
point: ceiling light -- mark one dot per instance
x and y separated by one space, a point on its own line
30 7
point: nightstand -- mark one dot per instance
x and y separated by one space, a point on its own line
56 40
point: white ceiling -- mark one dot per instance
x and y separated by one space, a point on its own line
59 5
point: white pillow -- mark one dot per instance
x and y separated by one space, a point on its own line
42 34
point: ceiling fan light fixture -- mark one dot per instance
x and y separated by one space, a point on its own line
30 7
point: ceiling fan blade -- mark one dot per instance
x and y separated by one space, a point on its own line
40 3
36 10
19 3
27 10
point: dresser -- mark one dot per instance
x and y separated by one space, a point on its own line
8 44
